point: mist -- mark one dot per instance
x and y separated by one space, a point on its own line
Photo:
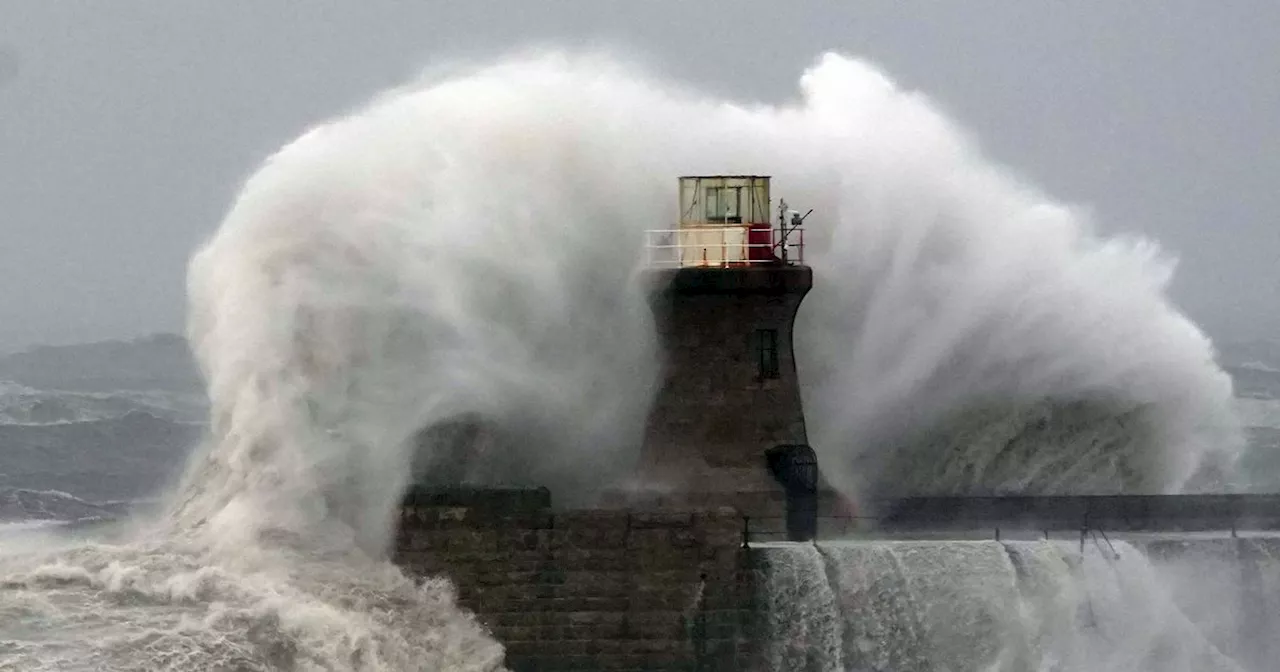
470 245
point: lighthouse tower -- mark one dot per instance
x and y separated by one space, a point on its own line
727 426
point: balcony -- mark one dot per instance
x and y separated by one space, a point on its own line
723 246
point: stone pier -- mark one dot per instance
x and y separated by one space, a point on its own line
590 590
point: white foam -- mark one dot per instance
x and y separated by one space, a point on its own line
984 605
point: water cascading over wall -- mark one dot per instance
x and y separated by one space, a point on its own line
917 606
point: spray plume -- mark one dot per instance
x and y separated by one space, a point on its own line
470 246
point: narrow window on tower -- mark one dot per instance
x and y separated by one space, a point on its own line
766 347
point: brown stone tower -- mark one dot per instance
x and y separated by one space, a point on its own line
727 285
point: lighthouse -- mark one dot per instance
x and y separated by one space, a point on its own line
727 426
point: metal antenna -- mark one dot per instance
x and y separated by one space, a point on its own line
782 228
796 221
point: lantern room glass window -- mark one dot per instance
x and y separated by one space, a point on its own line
724 204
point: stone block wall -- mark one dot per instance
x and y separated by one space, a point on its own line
595 589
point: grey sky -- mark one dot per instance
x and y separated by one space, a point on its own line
126 127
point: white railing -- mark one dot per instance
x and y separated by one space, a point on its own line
721 246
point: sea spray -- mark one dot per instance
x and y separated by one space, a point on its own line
470 246
945 289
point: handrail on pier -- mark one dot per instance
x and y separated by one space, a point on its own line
928 516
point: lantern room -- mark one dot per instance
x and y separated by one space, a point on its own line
724 222
724 200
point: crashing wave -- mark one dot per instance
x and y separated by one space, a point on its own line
469 246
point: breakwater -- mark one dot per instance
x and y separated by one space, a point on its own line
592 589
679 590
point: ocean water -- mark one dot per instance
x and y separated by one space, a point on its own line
23 405
471 244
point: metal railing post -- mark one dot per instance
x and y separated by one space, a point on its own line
724 247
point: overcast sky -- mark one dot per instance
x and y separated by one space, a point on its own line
126 126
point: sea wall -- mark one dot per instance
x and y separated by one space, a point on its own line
590 590
666 589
